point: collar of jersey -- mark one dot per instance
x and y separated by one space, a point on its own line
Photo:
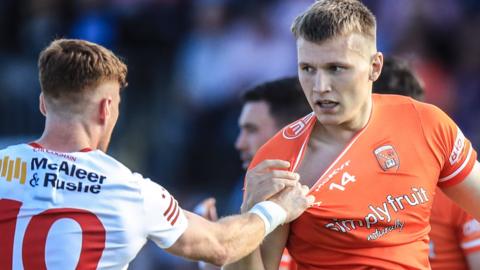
39 146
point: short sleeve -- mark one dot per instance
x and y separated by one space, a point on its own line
165 221
470 235
453 151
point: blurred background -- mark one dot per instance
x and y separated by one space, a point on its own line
189 60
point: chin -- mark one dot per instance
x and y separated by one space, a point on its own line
329 120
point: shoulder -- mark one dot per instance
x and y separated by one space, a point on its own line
106 161
390 102
402 107
289 134
286 144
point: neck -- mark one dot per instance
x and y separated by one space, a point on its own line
344 132
67 136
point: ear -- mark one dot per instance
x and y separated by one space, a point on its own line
41 104
376 68
105 109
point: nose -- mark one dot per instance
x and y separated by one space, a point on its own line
240 142
321 83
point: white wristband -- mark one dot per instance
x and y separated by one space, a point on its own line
271 213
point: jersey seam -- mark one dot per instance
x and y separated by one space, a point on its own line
425 135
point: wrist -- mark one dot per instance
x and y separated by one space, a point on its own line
272 215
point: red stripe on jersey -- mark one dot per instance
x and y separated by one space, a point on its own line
176 217
169 207
173 211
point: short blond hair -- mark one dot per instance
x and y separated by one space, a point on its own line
69 67
325 19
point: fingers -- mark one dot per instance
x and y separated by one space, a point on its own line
310 200
284 174
212 212
304 189
207 209
208 202
272 164
276 185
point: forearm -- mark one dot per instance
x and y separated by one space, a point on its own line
268 255
251 261
221 242
240 235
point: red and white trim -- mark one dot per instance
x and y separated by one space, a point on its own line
172 212
460 169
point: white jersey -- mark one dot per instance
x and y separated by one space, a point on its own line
81 210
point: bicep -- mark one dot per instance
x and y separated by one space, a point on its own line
467 193
273 246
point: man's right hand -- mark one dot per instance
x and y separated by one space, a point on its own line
265 180
294 200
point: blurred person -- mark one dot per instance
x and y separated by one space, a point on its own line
454 235
372 161
266 108
237 50
397 78
64 188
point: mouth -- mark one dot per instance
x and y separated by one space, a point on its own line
326 104
246 159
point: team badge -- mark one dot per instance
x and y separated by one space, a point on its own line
387 158
297 128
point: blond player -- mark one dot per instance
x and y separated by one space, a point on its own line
373 162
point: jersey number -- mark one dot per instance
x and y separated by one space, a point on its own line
35 238
346 178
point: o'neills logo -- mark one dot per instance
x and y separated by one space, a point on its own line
387 157
297 128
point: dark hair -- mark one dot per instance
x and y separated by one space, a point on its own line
398 78
285 98
325 19
67 67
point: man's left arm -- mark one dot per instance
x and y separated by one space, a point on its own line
467 193
473 260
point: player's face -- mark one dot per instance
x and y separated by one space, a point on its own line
335 77
256 127
110 89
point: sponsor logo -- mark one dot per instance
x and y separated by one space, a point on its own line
457 148
398 225
13 169
65 176
297 128
381 217
387 158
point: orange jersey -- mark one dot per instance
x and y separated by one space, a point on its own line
373 202
454 234
286 263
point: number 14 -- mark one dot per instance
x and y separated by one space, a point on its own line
346 178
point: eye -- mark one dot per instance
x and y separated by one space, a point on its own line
250 129
306 68
336 68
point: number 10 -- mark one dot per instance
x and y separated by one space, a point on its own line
35 238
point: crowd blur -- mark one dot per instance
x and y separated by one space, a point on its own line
189 60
